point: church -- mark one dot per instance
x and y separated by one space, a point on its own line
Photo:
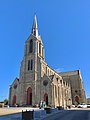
39 82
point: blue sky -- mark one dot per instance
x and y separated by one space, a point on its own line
64 26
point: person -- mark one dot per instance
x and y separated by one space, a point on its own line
44 104
41 104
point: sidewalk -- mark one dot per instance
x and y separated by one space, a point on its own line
39 114
12 110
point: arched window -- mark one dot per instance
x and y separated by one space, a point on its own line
39 48
31 65
48 72
42 52
58 94
35 32
55 91
28 64
31 46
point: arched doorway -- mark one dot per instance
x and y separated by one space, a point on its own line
77 99
29 96
14 100
46 98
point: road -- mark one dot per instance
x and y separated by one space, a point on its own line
72 115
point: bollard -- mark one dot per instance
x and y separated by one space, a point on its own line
48 110
27 115
60 107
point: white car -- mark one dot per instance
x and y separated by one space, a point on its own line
88 105
82 105
73 106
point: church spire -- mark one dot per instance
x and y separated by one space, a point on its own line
35 27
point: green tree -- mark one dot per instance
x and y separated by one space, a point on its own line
6 102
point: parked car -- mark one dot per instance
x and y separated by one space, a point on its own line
73 106
82 105
88 105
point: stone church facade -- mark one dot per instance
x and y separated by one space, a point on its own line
39 82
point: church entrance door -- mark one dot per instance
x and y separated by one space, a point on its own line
14 100
46 98
29 96
77 99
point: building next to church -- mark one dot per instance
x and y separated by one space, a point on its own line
38 81
77 86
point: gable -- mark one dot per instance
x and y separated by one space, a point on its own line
15 82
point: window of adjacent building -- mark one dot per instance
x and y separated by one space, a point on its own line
55 91
61 82
51 73
31 46
58 90
58 93
48 72
64 83
57 79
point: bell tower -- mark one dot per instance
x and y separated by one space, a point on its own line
34 49
30 71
